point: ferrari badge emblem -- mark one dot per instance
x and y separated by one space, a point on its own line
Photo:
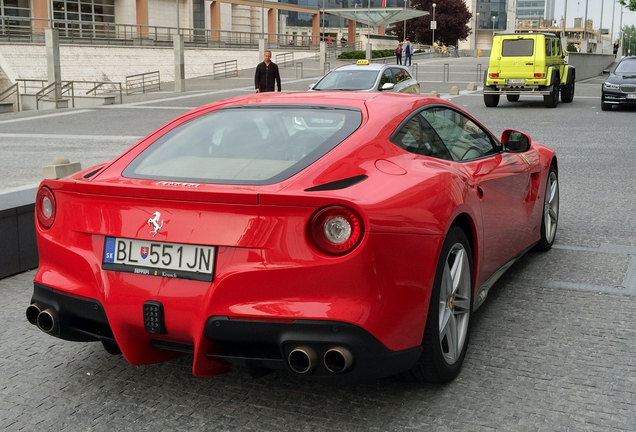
154 222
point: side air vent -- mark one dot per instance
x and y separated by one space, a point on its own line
338 184
92 173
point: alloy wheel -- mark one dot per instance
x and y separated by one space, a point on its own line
551 207
454 303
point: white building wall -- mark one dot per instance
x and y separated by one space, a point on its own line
113 63
163 13
227 20
125 12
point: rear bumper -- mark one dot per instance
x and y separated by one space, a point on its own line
80 320
518 90
264 344
269 344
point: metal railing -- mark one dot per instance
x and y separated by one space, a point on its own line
42 90
103 88
13 90
31 30
143 82
225 68
65 87
285 59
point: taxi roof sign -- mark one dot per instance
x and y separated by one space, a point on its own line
362 62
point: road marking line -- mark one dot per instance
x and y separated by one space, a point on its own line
53 136
39 117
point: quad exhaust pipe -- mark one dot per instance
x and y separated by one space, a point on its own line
45 318
303 359
338 360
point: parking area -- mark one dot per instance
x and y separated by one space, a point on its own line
552 348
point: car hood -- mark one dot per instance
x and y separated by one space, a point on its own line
622 78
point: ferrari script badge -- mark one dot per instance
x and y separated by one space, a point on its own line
154 222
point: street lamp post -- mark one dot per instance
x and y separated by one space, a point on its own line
600 29
476 32
433 42
405 19
493 24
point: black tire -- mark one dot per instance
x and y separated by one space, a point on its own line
442 358
512 98
552 100
550 218
567 92
111 347
491 100
606 106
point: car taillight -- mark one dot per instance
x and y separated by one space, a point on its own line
45 207
539 75
335 230
493 75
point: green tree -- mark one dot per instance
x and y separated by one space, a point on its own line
631 4
629 40
452 18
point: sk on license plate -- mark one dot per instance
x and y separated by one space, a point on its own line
173 260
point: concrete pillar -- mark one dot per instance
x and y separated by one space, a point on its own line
142 18
271 25
315 28
179 64
369 49
215 20
351 34
261 50
53 70
323 54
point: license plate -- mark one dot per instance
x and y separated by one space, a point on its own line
173 260
631 96
516 81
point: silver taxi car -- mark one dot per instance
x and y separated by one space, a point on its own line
364 76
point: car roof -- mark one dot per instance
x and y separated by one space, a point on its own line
370 66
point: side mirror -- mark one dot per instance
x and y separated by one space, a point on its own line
311 86
514 141
605 71
387 86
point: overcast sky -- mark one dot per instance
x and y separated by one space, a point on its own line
576 9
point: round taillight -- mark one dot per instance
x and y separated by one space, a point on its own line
45 207
336 230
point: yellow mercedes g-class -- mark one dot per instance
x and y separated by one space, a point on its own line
528 64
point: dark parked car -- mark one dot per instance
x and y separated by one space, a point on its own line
620 86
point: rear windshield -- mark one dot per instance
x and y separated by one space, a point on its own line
245 145
348 80
517 47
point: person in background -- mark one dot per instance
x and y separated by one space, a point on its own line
398 54
408 52
266 75
615 47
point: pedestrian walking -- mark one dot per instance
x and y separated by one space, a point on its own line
398 54
408 52
267 74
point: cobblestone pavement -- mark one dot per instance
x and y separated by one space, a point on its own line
552 349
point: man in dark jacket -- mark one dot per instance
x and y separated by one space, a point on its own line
266 74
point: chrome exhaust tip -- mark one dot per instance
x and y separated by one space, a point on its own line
338 360
302 359
47 321
32 312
